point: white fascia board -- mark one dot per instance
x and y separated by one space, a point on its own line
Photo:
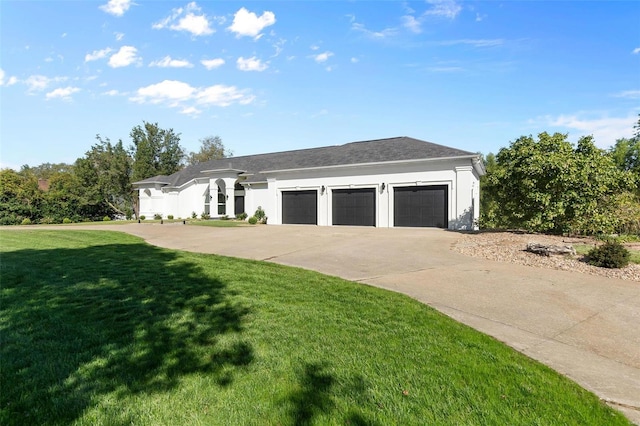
148 183
189 182
379 163
478 166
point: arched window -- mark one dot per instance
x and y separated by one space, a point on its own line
222 202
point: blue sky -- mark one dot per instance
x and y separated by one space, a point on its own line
274 76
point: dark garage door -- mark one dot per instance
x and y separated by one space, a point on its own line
421 206
354 206
300 207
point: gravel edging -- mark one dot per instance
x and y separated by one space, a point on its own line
510 247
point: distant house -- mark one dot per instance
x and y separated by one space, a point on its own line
43 185
385 183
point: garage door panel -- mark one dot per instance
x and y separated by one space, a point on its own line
355 207
300 207
421 206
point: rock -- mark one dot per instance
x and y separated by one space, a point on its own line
548 250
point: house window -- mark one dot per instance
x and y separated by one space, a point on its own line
222 202
207 202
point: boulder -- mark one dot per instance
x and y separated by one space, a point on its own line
548 249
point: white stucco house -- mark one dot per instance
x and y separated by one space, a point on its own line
385 183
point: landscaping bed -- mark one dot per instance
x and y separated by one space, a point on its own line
511 247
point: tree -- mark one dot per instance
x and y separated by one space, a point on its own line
211 148
155 151
46 170
105 172
19 197
547 185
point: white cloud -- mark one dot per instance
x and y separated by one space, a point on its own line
170 91
111 92
221 95
212 63
247 23
636 50
189 19
126 56
12 80
355 60
444 8
1 77
605 130
192 111
412 24
167 62
445 69
473 42
630 94
119 36
322 57
376 35
40 82
177 94
97 54
62 93
251 64
116 7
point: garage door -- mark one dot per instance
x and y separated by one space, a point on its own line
421 206
354 206
300 207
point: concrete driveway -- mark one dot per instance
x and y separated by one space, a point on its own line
586 327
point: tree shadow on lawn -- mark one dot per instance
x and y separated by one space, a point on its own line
77 324
315 392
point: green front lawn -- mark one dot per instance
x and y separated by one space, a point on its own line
102 328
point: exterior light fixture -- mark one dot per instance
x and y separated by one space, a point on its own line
322 189
383 186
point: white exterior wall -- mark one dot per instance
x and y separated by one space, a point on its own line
151 201
458 175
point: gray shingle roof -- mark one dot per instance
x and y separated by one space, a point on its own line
375 151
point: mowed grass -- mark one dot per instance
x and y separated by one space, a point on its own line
101 328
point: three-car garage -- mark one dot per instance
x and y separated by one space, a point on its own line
413 206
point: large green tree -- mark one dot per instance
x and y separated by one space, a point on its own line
211 148
626 151
19 197
548 185
155 151
105 172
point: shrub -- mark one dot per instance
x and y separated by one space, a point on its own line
106 219
157 216
128 214
170 217
26 221
67 220
611 254
194 215
241 216
205 216
260 215
142 217
253 220
225 217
